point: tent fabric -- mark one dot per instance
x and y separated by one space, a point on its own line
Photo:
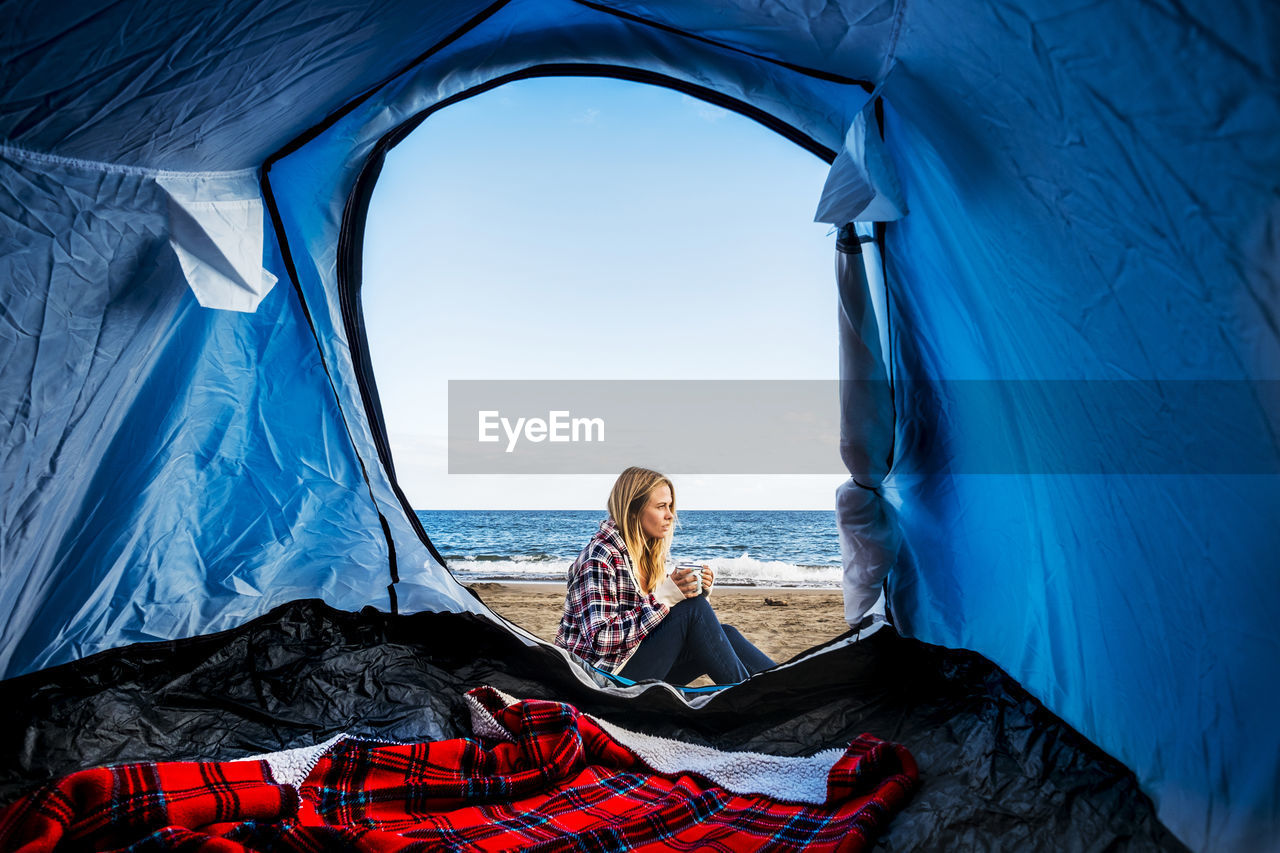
1095 217
190 88
1081 317
996 769
219 427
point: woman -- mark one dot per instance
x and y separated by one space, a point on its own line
626 615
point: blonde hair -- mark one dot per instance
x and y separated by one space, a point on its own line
630 494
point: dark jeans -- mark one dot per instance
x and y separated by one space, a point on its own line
691 642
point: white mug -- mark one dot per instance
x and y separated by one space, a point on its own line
697 573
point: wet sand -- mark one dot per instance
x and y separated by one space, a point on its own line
806 618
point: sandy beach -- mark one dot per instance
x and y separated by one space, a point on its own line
797 620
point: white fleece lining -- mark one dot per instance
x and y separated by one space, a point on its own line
796 780
293 766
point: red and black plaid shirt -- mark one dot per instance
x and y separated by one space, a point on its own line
606 615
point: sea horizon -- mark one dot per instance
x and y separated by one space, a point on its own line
763 548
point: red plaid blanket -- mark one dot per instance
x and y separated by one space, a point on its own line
539 775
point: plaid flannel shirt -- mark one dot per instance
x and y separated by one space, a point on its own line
606 615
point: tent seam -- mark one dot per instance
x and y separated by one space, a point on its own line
337 115
8 149
816 73
891 51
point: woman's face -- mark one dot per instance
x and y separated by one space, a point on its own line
656 517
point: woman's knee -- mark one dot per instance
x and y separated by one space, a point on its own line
698 608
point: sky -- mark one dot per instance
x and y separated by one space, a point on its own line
592 229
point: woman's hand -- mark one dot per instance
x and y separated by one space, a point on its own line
708 578
687 580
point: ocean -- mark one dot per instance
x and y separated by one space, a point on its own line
746 548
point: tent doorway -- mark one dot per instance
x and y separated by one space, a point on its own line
598 229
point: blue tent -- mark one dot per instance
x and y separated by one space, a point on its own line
1081 243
